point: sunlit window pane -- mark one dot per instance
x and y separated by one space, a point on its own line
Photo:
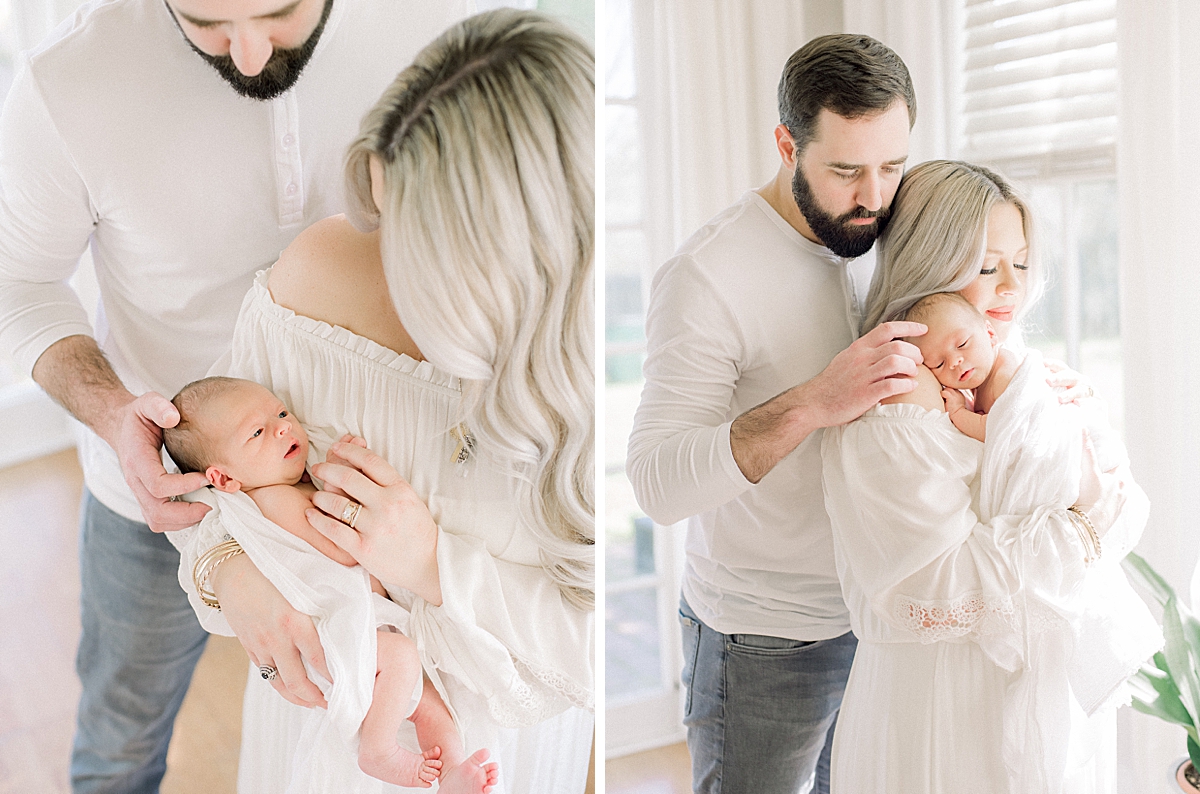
623 167
620 82
631 657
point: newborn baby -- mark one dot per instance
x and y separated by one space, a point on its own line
961 351
242 437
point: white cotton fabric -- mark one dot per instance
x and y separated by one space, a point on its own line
969 593
514 659
346 614
746 309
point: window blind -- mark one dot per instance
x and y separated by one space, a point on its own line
1040 89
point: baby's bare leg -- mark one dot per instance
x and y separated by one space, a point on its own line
398 669
435 727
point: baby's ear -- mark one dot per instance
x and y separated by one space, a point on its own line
991 333
222 481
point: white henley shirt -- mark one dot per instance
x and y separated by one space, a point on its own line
116 135
746 309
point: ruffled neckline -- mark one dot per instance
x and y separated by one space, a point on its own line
348 340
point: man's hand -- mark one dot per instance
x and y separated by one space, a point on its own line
874 367
137 443
75 372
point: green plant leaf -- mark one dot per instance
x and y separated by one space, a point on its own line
1154 693
1179 659
1141 570
1191 633
1193 752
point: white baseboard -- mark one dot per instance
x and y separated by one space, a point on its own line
31 424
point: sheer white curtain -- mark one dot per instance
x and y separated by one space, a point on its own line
1159 179
717 65
922 33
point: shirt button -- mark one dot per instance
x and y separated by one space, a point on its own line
288 140
291 189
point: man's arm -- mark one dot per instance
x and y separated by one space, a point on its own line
683 455
875 366
46 218
76 374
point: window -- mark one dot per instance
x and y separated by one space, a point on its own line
1038 87
642 658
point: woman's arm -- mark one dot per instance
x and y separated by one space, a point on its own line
502 627
898 490
253 610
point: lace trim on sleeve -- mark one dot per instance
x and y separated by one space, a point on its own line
935 621
538 694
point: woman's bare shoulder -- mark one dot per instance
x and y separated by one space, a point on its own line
328 249
928 393
328 271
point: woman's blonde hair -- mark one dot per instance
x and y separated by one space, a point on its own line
936 240
487 144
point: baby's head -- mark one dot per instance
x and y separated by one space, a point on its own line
236 433
960 345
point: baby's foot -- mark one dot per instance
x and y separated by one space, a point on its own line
401 767
472 776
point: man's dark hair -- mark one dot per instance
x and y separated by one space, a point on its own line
848 74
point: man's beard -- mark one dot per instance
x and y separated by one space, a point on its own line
280 72
838 234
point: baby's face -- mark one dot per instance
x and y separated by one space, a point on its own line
957 347
258 441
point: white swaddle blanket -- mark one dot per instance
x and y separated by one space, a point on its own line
1077 651
346 614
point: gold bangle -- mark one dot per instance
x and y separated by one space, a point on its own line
1092 537
203 570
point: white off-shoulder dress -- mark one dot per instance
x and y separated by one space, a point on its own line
968 590
514 659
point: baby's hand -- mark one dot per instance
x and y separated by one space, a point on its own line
332 458
966 420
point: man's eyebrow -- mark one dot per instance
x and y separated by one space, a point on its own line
282 12
853 166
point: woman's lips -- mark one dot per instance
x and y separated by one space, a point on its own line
1004 313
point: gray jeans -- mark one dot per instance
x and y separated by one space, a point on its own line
760 710
140 643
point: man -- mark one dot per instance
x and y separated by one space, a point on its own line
765 297
187 142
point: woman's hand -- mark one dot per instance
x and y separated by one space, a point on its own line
1090 485
1101 494
1072 386
272 632
394 536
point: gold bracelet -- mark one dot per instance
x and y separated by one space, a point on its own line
1093 537
203 570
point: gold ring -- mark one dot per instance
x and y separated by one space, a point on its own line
350 513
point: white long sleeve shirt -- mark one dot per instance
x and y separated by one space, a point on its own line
117 135
747 309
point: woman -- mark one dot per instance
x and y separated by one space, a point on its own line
986 662
453 332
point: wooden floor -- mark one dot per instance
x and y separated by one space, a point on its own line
39 629
667 770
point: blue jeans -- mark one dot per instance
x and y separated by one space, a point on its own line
760 710
139 646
